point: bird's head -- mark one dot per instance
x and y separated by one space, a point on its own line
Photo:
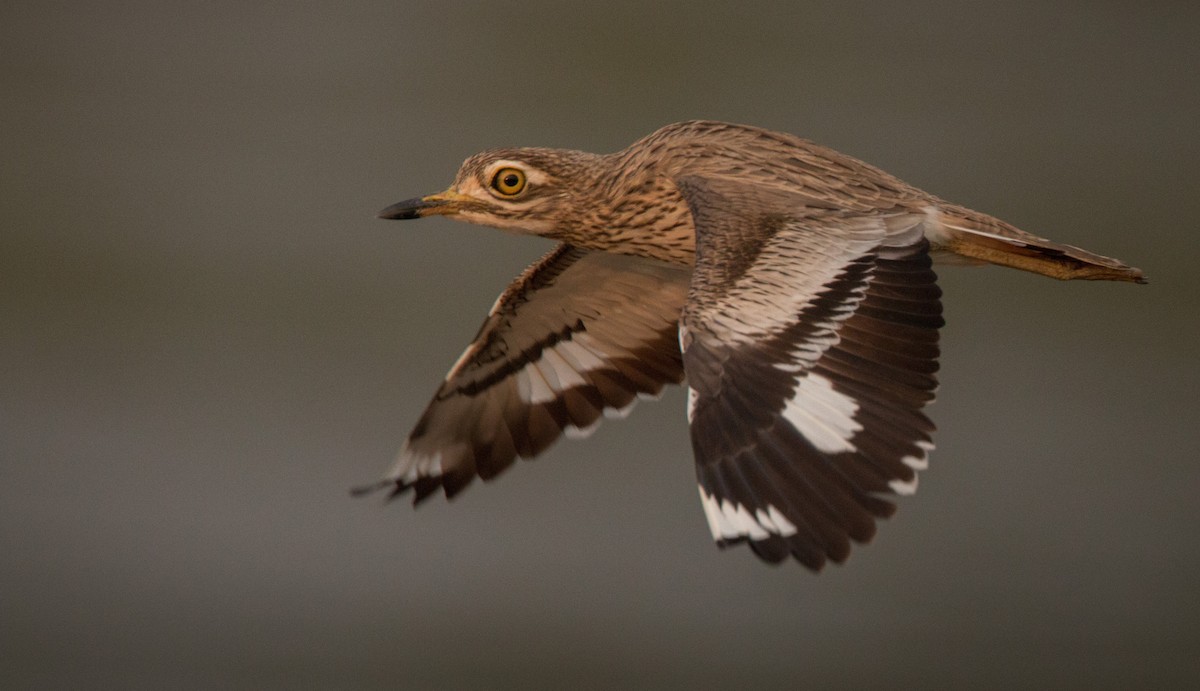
528 190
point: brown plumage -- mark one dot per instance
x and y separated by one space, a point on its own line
790 284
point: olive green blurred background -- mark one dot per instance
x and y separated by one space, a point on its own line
206 338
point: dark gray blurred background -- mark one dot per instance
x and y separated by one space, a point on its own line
206 338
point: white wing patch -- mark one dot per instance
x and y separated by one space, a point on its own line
727 520
560 367
578 356
917 462
532 386
822 414
921 461
410 466
566 375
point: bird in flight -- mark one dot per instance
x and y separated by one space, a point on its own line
790 286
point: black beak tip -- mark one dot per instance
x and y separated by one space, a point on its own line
410 208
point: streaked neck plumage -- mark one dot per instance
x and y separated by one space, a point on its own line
628 206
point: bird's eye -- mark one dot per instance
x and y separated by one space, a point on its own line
509 181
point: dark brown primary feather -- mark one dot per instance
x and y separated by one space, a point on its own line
577 335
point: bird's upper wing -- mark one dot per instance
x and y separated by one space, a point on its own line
578 335
810 346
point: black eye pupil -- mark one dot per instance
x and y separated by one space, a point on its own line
511 180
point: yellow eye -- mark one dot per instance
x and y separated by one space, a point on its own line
509 181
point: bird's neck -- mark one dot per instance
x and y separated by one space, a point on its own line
639 212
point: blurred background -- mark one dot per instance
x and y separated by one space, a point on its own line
206 338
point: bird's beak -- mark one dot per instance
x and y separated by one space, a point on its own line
442 203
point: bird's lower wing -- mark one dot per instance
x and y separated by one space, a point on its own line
577 336
810 344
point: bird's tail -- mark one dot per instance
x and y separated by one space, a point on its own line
981 238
